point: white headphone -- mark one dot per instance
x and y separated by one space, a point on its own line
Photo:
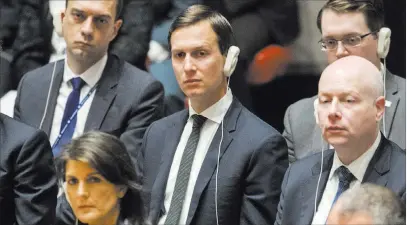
383 43
231 60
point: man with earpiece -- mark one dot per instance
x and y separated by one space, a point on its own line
90 89
215 162
349 28
350 107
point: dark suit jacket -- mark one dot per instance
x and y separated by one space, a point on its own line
252 162
28 184
386 168
303 135
126 102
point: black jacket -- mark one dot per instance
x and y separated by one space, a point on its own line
28 184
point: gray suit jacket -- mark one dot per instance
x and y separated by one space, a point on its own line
304 136
387 168
28 183
253 159
126 102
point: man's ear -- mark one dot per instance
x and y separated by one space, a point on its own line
62 16
380 107
117 24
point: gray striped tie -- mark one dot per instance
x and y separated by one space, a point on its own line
184 171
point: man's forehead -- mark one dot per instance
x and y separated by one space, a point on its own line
342 23
194 36
94 7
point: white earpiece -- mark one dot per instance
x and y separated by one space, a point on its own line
383 43
231 60
315 111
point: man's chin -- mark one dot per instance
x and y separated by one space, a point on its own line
337 140
80 53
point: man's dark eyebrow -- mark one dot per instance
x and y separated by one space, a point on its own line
105 16
77 10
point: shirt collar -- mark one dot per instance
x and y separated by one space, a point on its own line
359 166
91 76
217 111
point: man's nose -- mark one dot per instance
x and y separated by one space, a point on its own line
334 110
189 64
341 51
87 28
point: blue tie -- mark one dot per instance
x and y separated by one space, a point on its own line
70 107
345 178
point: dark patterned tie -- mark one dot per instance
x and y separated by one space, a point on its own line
345 178
184 171
70 107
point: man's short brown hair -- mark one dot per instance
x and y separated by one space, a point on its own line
198 13
372 10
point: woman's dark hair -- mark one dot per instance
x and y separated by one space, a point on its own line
107 155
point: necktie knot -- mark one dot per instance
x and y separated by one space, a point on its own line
198 121
77 83
345 176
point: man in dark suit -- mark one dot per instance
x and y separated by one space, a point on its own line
215 162
28 183
350 107
348 28
90 89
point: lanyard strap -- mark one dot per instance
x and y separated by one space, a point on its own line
73 115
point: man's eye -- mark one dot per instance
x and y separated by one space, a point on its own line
77 15
330 42
352 40
201 53
324 101
180 54
102 21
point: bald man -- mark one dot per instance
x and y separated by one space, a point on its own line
348 27
367 204
350 108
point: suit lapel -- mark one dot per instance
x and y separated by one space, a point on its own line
105 93
173 135
309 187
209 164
56 84
392 96
379 165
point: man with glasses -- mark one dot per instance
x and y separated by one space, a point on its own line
348 28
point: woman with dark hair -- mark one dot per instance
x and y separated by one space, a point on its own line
99 182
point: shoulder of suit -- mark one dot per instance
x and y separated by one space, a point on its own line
43 71
309 161
132 72
305 103
255 123
171 119
395 81
399 152
11 127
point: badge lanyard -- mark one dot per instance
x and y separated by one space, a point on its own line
73 115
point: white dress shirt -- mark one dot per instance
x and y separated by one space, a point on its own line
357 168
214 115
91 76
